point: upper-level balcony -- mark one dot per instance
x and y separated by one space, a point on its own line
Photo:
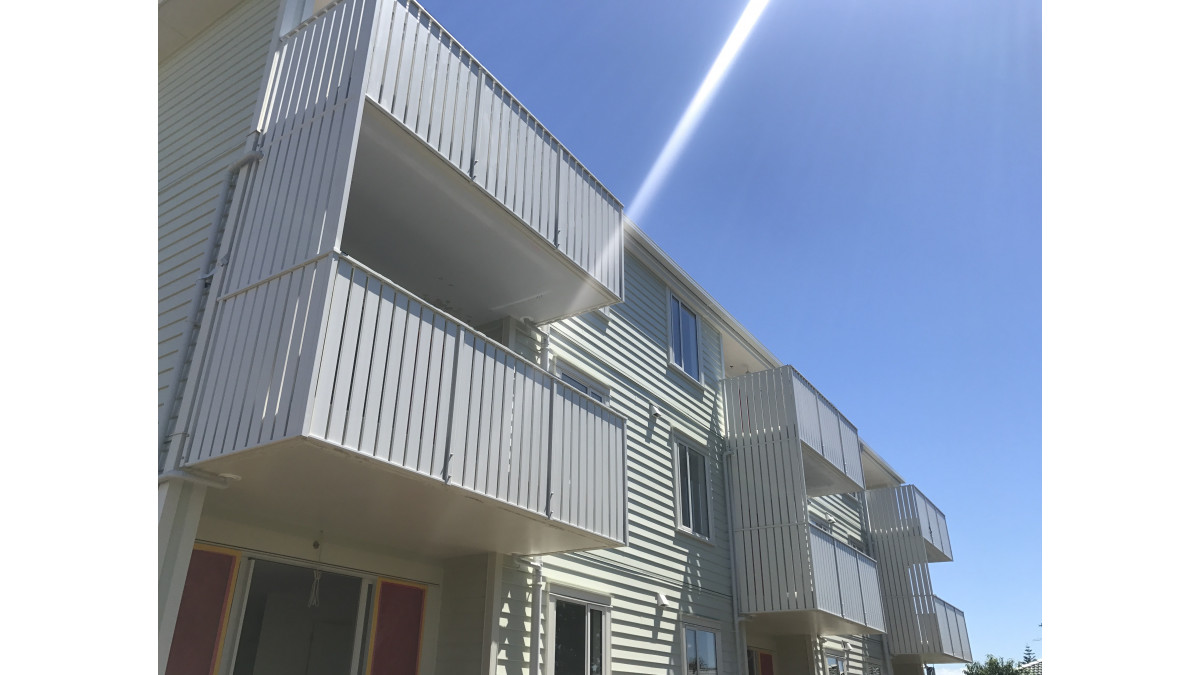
779 411
931 631
343 402
904 509
799 580
384 139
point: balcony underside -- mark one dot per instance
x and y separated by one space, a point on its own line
422 223
822 478
307 483
927 658
806 622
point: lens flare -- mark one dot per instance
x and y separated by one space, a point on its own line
695 110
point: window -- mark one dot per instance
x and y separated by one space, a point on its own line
693 490
580 638
685 342
760 662
835 665
701 657
583 384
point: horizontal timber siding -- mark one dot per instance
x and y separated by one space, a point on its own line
429 83
208 92
625 353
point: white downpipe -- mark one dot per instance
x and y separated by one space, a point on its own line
535 638
739 622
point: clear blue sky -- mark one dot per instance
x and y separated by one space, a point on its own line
863 194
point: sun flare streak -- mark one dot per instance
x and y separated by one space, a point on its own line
695 110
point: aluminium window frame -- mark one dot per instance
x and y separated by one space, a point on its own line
556 593
672 329
689 622
679 440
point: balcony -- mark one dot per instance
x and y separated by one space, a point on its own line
346 403
778 411
384 139
799 580
904 509
934 631
908 533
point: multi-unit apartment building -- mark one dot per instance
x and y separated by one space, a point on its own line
430 403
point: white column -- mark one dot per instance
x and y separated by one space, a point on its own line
179 506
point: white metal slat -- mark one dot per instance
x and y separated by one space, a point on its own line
265 352
831 433
344 369
283 375
327 364
556 444
459 413
416 330
370 340
234 391
436 451
371 406
851 457
432 401
489 367
475 437
402 319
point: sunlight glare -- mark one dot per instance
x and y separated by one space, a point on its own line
695 110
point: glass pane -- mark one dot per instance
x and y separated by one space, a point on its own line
699 493
687 330
574 382
676 334
691 651
570 628
706 653
685 506
297 622
751 663
596 643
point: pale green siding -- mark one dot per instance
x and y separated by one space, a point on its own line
628 354
208 93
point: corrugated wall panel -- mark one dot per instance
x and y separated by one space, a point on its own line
208 93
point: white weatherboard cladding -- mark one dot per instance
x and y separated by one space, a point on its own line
429 83
208 92
627 353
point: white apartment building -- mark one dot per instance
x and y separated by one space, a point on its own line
429 403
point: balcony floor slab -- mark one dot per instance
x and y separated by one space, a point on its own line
307 483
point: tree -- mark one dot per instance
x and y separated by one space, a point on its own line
992 666
1029 657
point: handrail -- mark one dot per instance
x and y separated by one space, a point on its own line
466 326
496 80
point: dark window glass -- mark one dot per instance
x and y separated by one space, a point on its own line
684 340
570 644
701 652
685 497
693 491
596 640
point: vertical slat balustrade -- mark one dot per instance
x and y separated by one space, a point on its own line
429 83
408 384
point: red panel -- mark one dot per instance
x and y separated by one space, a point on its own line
396 645
206 591
766 664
